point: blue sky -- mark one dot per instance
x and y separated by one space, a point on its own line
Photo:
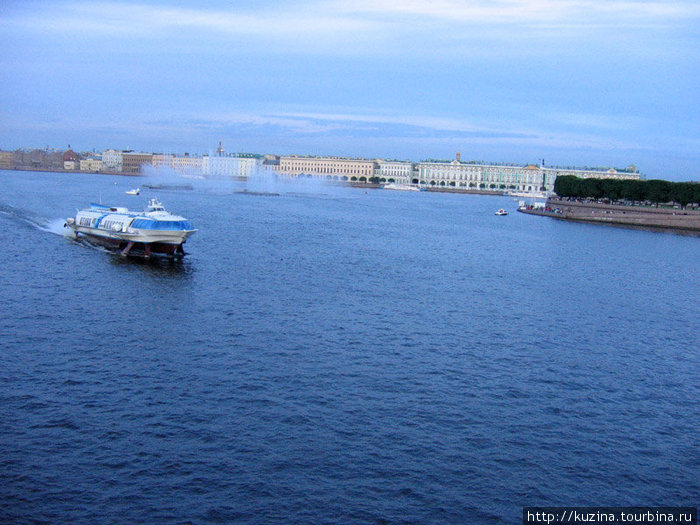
576 82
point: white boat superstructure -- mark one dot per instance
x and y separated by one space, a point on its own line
135 191
157 230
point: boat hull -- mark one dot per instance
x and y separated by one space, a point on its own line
141 236
137 248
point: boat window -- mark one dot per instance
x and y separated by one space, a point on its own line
149 224
109 225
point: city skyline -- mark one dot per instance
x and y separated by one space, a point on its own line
585 83
221 151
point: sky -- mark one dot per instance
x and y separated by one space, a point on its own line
572 82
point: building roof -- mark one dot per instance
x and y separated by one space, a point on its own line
70 155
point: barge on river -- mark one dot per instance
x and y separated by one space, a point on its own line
153 230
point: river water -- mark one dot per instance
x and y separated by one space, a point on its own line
339 355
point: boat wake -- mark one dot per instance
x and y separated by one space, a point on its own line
55 226
25 219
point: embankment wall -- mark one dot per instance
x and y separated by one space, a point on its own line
642 216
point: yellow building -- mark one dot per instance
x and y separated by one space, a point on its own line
93 164
187 164
332 168
7 160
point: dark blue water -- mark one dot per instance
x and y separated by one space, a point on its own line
331 355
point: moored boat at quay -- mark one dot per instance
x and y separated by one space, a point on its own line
154 230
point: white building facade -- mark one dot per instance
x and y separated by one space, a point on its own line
531 180
395 171
112 160
230 166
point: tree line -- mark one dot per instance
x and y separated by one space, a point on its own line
656 191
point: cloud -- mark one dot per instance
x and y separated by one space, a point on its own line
596 121
387 128
525 11
583 131
341 26
118 18
532 74
337 125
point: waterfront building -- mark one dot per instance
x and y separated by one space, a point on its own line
239 166
271 162
71 160
7 160
185 164
112 160
36 159
529 180
399 172
92 163
132 161
331 168
161 160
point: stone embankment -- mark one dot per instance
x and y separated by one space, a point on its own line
640 216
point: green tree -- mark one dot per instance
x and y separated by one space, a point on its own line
633 189
566 186
591 188
696 193
654 190
612 188
684 193
658 190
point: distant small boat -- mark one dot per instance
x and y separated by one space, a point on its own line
168 186
501 212
259 193
402 187
135 191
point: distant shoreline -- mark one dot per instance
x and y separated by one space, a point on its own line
85 172
614 214
353 184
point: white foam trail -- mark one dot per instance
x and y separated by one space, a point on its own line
55 226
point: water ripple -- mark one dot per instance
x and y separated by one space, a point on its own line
361 358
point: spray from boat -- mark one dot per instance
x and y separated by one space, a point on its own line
27 217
